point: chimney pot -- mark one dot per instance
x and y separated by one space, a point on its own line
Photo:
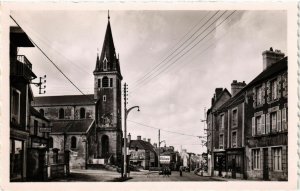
138 137
149 140
144 139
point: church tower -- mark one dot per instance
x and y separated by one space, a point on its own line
107 92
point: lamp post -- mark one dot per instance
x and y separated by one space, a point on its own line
125 137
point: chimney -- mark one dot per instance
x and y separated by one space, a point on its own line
129 138
236 87
149 140
270 57
144 139
154 145
139 137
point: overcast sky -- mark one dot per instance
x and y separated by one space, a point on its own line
174 96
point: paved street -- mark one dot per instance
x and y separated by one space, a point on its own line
187 176
82 175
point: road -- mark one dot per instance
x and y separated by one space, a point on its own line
154 177
82 175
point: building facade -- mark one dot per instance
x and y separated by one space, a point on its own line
141 153
216 153
250 131
267 132
21 75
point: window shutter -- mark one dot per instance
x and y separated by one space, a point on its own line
253 126
279 87
263 93
254 97
263 121
267 123
284 124
279 120
268 92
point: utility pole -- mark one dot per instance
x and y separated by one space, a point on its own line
125 131
126 112
40 83
158 147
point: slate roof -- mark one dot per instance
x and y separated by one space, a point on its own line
108 51
274 69
64 100
72 126
37 114
140 144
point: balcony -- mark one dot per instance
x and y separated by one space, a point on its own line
22 68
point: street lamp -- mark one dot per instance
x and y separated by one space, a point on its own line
125 137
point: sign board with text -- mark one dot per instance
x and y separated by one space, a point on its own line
164 159
45 129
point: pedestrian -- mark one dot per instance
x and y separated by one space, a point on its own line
180 170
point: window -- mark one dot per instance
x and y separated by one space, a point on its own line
279 120
105 82
42 112
274 89
105 64
82 113
274 122
73 142
234 139
221 142
259 94
15 106
99 83
255 159
61 113
234 118
104 97
35 127
258 125
277 159
50 142
111 82
222 122
284 119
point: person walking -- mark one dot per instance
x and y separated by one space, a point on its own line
180 170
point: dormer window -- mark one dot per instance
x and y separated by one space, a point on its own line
105 64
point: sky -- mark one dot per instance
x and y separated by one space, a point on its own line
186 53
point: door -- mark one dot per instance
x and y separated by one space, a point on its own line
265 164
233 168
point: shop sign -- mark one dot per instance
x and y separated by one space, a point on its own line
164 159
45 129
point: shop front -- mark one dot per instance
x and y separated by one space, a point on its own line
235 163
220 163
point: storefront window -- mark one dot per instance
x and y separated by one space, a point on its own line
16 159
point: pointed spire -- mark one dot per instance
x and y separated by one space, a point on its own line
108 15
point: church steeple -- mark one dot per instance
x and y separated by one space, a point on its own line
108 61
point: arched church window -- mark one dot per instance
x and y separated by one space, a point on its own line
61 113
105 82
42 112
82 113
73 142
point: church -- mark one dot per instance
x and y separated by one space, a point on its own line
89 126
